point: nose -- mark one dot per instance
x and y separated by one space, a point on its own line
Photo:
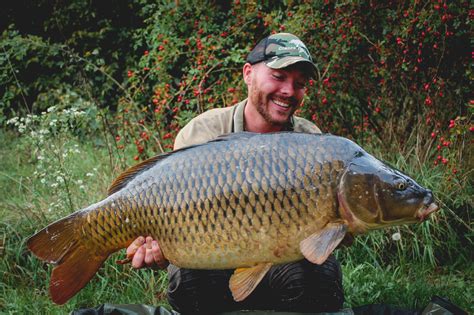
288 88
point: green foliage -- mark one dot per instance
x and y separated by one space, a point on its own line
52 140
74 45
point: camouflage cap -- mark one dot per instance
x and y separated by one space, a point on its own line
281 50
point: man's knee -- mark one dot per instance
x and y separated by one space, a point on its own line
304 286
198 291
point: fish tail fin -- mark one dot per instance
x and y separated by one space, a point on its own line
62 244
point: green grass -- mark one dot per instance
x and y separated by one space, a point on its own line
408 285
376 269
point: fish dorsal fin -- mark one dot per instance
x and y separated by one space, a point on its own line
245 280
318 246
123 179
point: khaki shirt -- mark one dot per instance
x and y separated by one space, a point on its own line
220 121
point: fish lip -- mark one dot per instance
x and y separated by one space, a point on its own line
426 210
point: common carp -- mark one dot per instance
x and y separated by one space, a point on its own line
245 201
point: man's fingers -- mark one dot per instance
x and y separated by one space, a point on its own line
158 257
139 258
146 252
132 249
149 240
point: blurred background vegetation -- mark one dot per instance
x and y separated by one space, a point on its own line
89 87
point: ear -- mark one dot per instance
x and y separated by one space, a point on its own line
247 72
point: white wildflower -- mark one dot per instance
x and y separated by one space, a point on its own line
89 174
54 185
12 121
79 182
82 187
396 236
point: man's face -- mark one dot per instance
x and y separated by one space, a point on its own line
275 93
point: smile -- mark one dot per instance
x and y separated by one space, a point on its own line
281 104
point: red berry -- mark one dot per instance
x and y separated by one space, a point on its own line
428 101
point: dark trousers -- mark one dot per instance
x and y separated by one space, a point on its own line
299 287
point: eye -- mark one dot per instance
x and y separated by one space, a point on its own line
402 185
278 77
300 85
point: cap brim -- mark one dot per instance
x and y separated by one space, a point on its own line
284 62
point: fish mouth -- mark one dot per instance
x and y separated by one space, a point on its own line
426 210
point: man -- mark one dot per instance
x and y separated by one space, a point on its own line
276 73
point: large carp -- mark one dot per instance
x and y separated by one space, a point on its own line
244 201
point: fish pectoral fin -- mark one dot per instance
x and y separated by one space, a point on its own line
318 246
245 280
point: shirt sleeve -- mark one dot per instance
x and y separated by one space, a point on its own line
195 132
304 125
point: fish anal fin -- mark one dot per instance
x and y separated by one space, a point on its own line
245 280
318 246
73 273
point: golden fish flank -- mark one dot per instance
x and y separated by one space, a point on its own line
245 201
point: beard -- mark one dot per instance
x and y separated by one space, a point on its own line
261 102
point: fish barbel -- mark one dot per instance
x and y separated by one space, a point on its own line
245 201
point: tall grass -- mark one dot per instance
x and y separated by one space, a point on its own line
433 258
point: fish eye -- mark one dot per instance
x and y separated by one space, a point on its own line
402 185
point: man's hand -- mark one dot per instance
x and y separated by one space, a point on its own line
146 253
